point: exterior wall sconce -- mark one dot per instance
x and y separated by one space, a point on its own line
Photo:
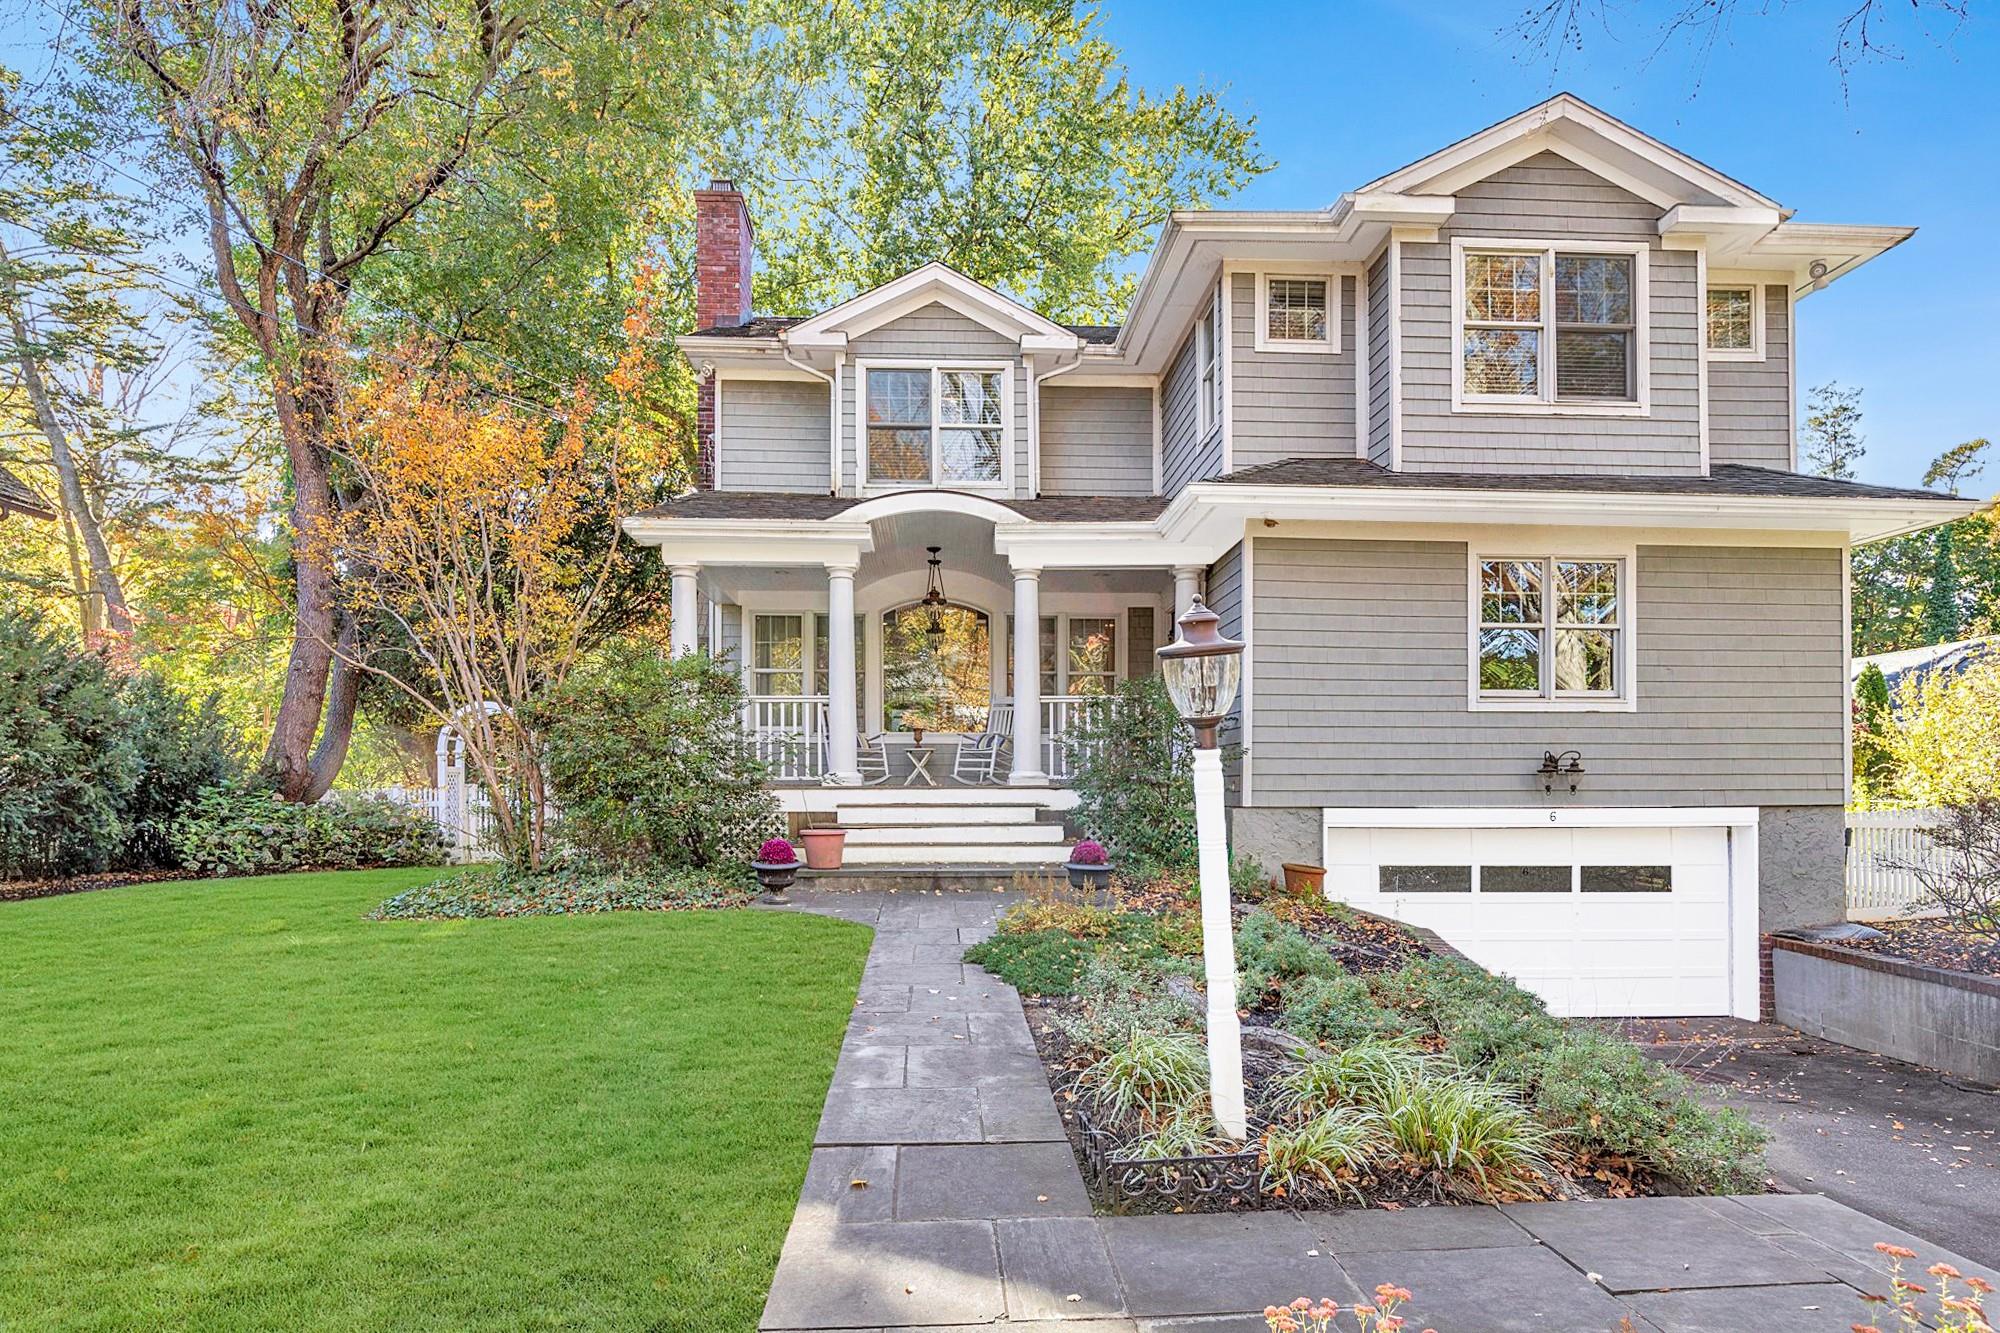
1560 767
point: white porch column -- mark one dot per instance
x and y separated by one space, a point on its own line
684 635
843 762
1027 740
1187 582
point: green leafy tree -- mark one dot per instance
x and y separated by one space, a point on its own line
1831 440
1944 737
1132 765
1873 763
68 763
1004 139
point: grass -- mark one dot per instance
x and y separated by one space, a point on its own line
234 1104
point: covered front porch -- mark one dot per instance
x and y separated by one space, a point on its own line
864 664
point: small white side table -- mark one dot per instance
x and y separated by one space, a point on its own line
920 767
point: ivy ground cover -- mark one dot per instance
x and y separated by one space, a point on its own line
236 1104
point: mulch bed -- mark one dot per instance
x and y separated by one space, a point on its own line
1936 942
21 890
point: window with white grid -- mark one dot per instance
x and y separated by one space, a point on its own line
1295 314
1558 329
1550 628
1735 319
935 425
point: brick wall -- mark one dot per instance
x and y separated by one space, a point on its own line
724 249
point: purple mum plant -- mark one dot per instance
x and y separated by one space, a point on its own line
1089 853
777 852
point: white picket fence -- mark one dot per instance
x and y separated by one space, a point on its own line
463 813
1881 845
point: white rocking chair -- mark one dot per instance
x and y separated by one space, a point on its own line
978 759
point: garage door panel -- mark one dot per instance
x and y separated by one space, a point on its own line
1627 947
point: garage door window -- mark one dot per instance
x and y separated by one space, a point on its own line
1524 879
1425 879
1550 630
1628 879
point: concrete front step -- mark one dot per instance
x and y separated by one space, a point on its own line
867 816
952 854
953 835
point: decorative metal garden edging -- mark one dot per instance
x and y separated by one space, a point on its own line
1168 1180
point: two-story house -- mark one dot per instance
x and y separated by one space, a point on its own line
1492 464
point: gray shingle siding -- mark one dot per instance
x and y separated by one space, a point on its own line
1381 302
1184 456
772 436
934 333
1548 198
1360 676
1096 441
1225 598
1288 404
1750 402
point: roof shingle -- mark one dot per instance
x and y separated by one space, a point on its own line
1722 479
814 508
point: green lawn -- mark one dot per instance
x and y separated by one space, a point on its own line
235 1104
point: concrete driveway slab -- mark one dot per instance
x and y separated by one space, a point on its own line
1853 1235
1649 1244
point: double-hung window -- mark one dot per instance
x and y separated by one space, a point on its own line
1551 629
1735 321
936 426
1550 328
1208 366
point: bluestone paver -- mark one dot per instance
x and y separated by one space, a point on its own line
1830 1306
1219 1263
1505 1289
989 1180
1057 1268
1650 1244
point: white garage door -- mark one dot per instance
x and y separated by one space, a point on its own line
1596 921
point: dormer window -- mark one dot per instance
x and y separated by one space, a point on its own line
935 425
1295 314
1542 328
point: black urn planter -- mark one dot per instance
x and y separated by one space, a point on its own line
774 877
1096 878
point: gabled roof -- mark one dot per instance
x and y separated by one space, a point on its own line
15 497
1721 479
933 283
1594 139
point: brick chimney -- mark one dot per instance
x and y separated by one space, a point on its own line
724 246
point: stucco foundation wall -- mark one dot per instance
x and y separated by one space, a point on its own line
1892 1008
1801 866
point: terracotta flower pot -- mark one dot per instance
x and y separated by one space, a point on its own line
1305 881
823 847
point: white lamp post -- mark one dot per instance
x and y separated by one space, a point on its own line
1202 670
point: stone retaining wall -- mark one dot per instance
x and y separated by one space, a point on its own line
1891 1006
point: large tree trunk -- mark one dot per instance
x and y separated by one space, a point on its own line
103 577
336 730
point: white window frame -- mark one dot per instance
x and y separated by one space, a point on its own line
1120 614
1624 700
1736 282
1545 403
1327 346
1208 334
869 486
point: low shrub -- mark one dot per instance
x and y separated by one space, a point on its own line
1151 1075
1083 920
1439 990
505 892
1367 1073
1116 999
1270 953
1336 1011
1249 881
241 830
1332 1150
1474 1138
1179 932
1133 770
1034 962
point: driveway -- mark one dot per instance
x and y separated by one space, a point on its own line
1908 1145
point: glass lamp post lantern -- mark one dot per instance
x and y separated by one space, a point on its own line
1202 670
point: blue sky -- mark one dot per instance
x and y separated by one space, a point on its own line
1344 90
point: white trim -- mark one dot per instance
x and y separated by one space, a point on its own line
1847 696
1792 403
1547 404
839 387
1701 396
1363 422
1008 444
1625 700
1541 816
1247 686
1034 423
715 434
1159 438
1225 397
1395 299
1260 324
934 282
1724 280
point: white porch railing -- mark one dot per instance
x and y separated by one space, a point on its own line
1062 714
1881 844
788 733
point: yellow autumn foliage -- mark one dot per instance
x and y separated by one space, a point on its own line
1944 737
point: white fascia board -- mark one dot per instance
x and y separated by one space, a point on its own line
871 308
1541 816
1205 508
751 541
1401 210
1093 546
1794 246
1704 218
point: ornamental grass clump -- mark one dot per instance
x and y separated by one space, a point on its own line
1366 1074
1333 1150
1470 1137
1151 1075
1188 1132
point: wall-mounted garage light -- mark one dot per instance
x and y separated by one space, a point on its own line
1564 767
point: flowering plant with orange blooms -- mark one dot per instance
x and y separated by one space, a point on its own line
1323 1315
1953 1313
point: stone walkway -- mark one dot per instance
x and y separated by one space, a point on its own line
943 1195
